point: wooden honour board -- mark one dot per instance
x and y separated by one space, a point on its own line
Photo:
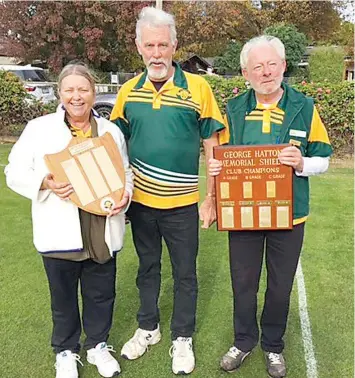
94 167
254 190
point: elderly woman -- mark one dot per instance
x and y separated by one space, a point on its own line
75 246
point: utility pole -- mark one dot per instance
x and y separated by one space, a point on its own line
159 4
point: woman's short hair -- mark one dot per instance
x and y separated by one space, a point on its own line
150 16
258 41
77 68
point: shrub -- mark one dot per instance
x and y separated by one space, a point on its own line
335 103
12 93
299 75
16 106
224 89
327 63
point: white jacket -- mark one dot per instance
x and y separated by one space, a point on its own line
56 223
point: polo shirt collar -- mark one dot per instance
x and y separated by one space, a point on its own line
280 105
179 79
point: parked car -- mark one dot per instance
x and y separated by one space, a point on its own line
104 104
35 81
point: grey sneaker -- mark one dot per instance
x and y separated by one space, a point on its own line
233 359
275 364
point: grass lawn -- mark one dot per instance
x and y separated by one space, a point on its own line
327 261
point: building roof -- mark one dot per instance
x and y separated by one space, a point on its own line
198 59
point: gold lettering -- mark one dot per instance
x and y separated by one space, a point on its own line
237 154
266 153
269 162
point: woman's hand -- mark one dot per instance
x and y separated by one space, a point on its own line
62 189
121 205
214 167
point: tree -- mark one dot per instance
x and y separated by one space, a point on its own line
317 19
345 37
100 33
203 27
229 62
295 42
206 27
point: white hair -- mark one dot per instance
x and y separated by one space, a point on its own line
258 41
153 17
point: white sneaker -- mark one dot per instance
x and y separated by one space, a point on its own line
65 365
105 363
138 344
183 355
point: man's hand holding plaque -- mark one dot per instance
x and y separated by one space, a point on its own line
292 156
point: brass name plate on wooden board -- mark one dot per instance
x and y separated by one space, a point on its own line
94 167
253 190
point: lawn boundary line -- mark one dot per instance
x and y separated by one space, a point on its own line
311 362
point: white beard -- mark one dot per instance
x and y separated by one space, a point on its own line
155 74
265 91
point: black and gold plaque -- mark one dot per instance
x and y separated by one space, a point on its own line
253 190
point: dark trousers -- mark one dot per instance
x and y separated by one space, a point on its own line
179 228
246 250
97 283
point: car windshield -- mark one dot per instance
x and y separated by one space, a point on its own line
30 75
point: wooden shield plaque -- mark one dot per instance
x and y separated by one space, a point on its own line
94 168
253 190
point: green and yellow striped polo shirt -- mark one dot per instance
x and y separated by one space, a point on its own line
163 131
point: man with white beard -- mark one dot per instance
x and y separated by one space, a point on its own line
164 113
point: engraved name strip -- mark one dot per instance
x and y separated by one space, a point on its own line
81 147
282 216
224 190
264 216
78 182
93 174
247 217
107 168
227 217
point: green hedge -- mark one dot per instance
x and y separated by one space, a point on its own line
335 103
17 107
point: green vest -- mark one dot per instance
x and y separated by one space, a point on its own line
298 118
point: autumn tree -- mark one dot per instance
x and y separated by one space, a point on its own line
207 27
203 27
344 36
100 33
316 19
